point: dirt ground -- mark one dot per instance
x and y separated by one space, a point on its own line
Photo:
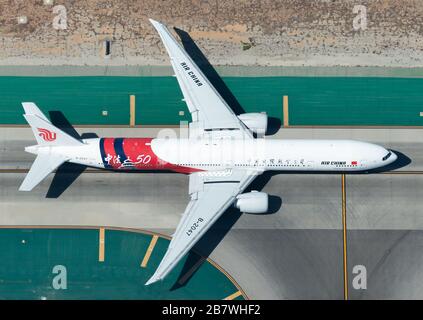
229 32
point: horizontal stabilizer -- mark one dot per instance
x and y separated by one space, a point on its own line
42 166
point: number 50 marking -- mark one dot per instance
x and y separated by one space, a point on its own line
143 159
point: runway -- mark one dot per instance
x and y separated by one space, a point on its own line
293 253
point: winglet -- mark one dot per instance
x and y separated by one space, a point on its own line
154 22
157 25
153 279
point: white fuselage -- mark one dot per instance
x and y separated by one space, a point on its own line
271 154
206 155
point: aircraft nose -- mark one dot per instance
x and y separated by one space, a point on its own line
393 156
389 157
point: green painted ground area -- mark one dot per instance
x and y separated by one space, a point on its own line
312 100
28 257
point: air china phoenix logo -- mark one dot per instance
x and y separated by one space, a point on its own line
47 135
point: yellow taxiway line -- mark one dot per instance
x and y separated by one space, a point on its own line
344 236
285 112
149 251
233 295
132 110
101 244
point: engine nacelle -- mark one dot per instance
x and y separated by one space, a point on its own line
256 122
252 202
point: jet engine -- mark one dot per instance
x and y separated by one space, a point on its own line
256 122
252 202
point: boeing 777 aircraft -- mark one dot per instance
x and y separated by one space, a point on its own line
222 154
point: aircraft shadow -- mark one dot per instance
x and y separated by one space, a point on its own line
67 173
203 63
208 243
198 57
402 161
59 120
214 236
273 125
205 246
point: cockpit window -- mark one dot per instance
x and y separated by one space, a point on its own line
387 156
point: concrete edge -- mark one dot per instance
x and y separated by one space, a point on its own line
225 71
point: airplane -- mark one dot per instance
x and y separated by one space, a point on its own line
222 154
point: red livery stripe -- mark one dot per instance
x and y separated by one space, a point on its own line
111 158
139 153
138 156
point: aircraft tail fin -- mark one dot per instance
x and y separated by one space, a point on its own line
43 165
44 131
31 108
46 134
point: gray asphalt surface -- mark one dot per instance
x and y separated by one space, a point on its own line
393 262
293 253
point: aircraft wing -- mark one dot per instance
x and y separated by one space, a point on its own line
208 109
211 194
